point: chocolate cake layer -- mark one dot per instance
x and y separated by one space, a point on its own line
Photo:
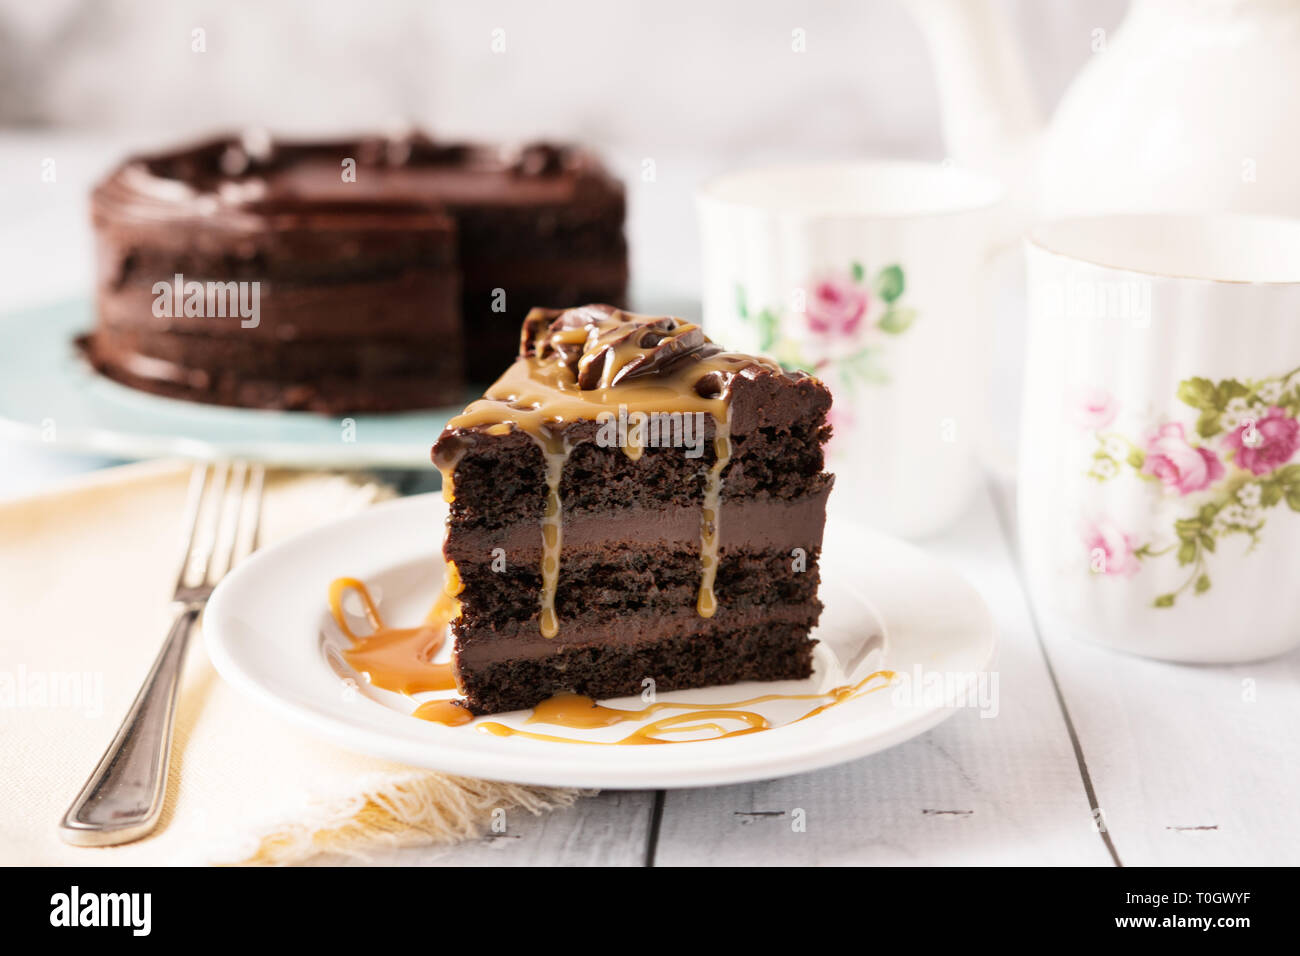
360 245
773 651
646 604
755 522
378 375
328 314
303 353
589 560
500 479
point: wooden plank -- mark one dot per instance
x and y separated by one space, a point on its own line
1192 765
999 790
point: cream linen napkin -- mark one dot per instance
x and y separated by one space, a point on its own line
85 573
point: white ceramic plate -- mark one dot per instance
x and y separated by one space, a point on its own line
888 606
49 394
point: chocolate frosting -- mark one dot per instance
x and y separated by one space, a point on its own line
251 181
576 363
614 347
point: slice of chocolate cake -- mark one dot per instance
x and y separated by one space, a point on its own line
629 503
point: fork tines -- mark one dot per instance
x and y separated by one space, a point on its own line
222 520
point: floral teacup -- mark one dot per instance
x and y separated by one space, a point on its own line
1160 445
871 277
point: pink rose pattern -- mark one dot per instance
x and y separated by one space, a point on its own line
1110 550
1267 444
1177 463
834 334
836 307
1238 463
1093 408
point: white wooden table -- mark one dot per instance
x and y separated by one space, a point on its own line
1094 758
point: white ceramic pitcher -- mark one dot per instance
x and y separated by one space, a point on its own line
1190 106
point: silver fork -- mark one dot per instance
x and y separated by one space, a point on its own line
123 798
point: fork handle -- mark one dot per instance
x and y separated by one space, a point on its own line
123 798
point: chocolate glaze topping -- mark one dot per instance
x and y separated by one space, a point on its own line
250 178
602 347
576 363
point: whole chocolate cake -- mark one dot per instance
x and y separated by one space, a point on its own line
361 275
631 503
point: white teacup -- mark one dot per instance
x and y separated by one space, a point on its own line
871 276
1160 441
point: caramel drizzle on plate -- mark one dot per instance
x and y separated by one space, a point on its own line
449 712
677 723
580 364
399 660
582 713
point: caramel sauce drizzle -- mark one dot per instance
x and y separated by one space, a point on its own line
552 540
710 522
449 712
541 395
582 713
398 658
679 723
